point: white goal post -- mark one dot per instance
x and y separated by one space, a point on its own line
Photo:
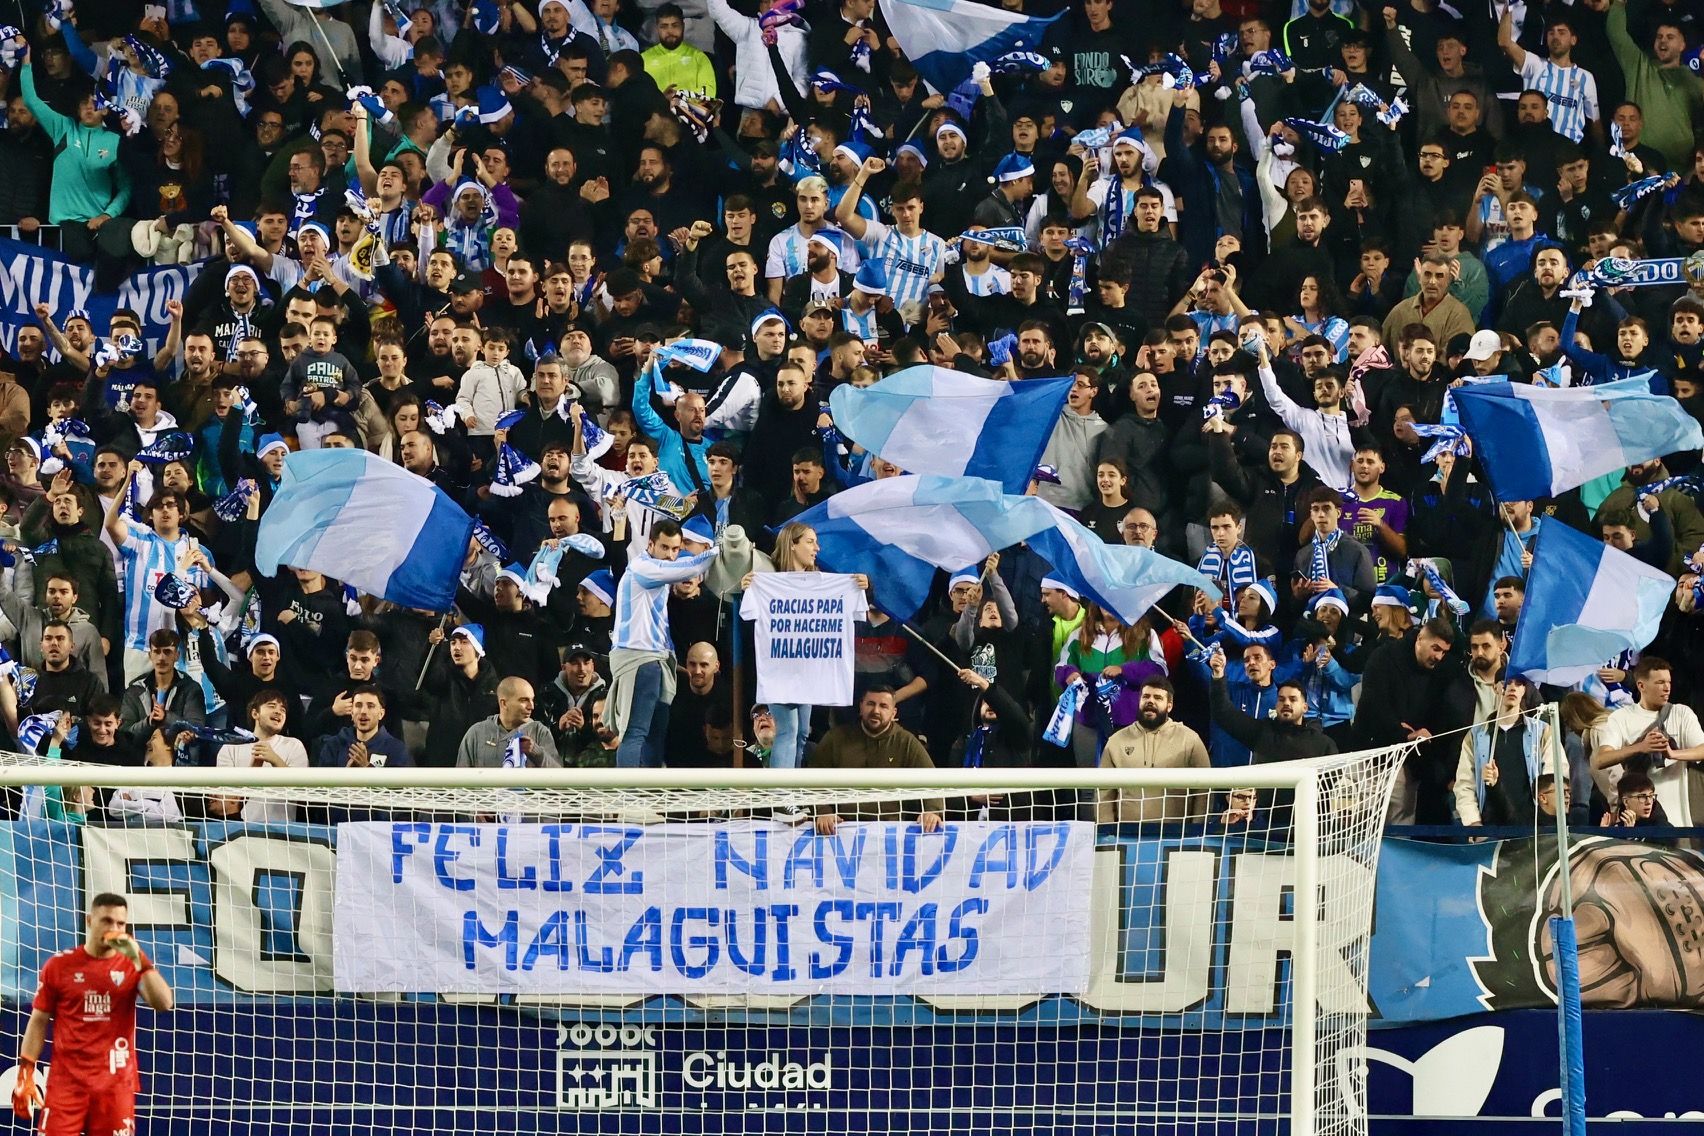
617 949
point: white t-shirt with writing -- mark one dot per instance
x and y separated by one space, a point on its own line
805 628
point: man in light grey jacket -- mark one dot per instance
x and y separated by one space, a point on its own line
485 743
1071 450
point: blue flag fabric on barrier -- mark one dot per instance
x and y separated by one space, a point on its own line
30 274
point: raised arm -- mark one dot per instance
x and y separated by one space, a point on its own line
846 213
78 359
56 124
661 573
236 235
115 526
1282 404
364 171
1506 40
167 354
643 412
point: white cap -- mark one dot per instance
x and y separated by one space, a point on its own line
1483 345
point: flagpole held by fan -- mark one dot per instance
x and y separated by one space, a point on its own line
431 648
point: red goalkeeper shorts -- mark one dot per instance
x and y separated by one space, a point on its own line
110 1112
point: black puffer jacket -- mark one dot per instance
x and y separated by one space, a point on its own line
1157 268
459 702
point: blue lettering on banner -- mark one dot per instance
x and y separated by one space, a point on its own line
30 275
279 927
670 908
256 963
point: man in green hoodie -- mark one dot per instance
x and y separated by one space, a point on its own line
1671 96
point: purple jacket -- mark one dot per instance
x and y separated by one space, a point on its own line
1126 700
508 207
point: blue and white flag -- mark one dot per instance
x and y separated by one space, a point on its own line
944 38
899 530
513 471
212 735
596 439
231 507
1626 196
1586 603
367 522
931 420
1009 238
30 555
1536 442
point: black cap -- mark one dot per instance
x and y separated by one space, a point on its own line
648 331
579 650
467 282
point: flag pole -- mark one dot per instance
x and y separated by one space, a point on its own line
1182 628
939 654
431 648
325 39
737 686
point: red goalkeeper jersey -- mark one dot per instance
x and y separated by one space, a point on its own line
93 1003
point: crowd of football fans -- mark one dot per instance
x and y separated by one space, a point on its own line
1265 241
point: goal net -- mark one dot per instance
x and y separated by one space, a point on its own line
955 951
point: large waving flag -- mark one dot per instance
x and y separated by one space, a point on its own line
944 38
898 530
1585 603
370 524
1538 441
932 420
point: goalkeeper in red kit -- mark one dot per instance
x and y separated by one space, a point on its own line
90 993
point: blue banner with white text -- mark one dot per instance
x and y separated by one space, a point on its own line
31 275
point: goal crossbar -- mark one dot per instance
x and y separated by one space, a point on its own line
18 769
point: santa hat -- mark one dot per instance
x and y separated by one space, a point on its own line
475 634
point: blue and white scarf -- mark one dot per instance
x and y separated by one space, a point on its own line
1232 574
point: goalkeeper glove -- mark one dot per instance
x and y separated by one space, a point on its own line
127 947
26 1097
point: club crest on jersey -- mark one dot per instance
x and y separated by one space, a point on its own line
77 976
117 978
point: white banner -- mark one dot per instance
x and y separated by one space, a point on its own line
757 908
